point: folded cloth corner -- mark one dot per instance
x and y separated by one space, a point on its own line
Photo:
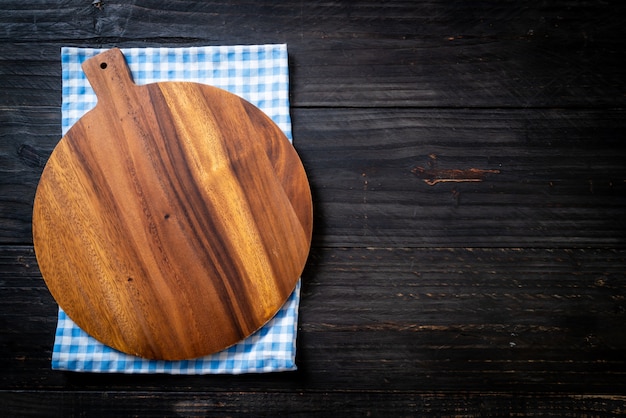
257 73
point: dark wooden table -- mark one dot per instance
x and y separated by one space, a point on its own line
468 166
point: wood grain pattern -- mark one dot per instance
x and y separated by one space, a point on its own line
173 219
469 404
503 297
554 188
358 53
427 320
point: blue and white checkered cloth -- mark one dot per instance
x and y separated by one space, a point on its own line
257 73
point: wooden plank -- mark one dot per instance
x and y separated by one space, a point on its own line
558 177
296 404
364 54
441 315
549 177
389 320
27 137
363 18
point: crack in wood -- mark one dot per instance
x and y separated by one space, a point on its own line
432 176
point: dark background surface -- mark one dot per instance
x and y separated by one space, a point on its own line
497 297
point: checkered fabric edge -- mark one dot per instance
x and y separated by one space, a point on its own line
270 349
257 73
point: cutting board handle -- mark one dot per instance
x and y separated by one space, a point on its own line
109 75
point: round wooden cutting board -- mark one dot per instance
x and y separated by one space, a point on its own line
173 219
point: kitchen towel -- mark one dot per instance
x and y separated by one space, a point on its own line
257 73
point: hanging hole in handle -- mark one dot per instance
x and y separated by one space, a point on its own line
103 65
